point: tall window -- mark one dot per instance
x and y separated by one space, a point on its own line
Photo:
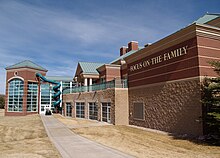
32 96
15 95
106 111
93 111
139 111
45 95
80 109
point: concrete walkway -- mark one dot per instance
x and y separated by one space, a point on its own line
71 145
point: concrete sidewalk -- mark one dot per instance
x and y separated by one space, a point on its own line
71 145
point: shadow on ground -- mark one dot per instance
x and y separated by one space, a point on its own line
209 140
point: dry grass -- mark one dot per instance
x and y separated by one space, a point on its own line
142 143
73 121
24 137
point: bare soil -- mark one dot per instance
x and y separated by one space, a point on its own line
142 143
24 137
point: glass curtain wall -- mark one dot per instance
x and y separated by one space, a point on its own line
32 97
15 95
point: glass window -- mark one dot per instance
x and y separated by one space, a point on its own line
80 109
15 95
32 96
65 85
45 94
106 111
93 111
139 111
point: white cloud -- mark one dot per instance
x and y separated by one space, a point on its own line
57 39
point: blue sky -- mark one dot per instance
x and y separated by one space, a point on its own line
56 34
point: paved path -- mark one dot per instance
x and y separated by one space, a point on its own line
71 145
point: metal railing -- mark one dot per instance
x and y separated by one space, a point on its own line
96 87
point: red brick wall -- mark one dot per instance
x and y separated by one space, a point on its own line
28 75
124 72
112 73
184 66
209 50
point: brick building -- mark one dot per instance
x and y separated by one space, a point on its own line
24 93
156 86
163 82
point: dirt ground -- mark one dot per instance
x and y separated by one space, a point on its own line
24 137
142 143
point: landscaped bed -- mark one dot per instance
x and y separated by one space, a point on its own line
24 137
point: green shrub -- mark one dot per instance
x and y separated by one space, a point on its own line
2 102
211 104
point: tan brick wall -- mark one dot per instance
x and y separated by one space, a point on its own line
173 107
110 95
121 108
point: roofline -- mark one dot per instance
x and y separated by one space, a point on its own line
167 37
57 76
213 13
8 67
26 67
121 57
87 73
89 62
105 65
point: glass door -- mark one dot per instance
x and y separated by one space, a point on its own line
68 110
106 111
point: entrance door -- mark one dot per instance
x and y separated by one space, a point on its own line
68 110
106 111
43 108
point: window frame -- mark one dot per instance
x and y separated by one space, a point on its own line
15 95
134 117
93 104
32 92
108 113
80 115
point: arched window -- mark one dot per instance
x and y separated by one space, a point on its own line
15 95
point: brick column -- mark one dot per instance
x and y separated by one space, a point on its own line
24 108
39 101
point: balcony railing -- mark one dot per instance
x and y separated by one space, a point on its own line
96 87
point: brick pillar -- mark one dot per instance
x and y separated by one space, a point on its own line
39 101
73 109
86 109
6 97
25 97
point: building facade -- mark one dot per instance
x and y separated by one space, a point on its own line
26 94
164 81
157 86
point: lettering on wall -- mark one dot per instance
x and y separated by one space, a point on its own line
158 59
